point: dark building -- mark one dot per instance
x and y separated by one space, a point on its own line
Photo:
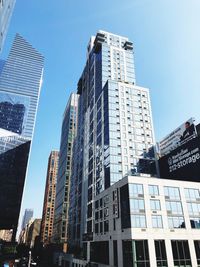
12 116
183 163
13 164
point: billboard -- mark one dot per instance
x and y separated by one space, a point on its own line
178 137
183 163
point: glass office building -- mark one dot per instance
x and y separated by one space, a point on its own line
20 84
68 134
6 9
28 215
115 131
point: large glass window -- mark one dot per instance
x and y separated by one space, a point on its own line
174 207
137 205
138 221
191 194
155 204
140 253
157 221
125 207
194 209
115 253
176 222
99 252
136 190
197 250
195 222
153 190
181 253
135 253
172 192
161 257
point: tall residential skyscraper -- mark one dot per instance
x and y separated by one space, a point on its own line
68 134
6 9
115 131
28 214
49 198
20 84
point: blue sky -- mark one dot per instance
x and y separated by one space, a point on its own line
166 38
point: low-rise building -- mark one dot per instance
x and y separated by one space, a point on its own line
145 221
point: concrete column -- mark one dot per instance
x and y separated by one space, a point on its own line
120 253
152 253
111 256
88 251
169 252
192 253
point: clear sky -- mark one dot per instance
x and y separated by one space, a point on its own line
166 38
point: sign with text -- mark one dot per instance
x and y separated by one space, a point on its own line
183 163
178 137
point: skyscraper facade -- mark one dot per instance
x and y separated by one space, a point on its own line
20 84
68 134
115 130
49 198
6 9
28 214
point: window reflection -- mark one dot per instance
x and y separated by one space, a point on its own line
136 190
172 192
176 222
153 190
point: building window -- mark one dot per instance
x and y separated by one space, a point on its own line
192 194
155 204
99 252
174 207
135 253
138 221
181 253
114 224
136 190
106 226
176 222
153 190
125 207
195 223
157 221
194 209
137 205
172 192
161 256
197 250
96 228
101 227
115 253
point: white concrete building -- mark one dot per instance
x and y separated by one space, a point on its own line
147 222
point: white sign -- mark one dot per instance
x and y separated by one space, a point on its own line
179 136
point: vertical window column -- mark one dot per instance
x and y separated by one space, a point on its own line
161 256
181 253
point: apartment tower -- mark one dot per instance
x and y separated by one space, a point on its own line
114 133
49 198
